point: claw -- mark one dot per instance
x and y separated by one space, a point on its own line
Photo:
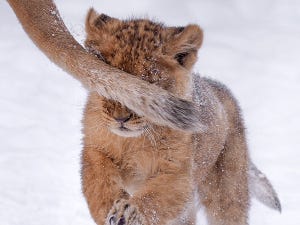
112 220
121 221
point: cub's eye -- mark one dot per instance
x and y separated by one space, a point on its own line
180 57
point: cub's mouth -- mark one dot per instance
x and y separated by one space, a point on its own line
126 132
124 128
121 121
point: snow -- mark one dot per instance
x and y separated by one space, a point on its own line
251 46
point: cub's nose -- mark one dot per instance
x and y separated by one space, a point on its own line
123 119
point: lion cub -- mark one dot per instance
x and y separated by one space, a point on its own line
135 172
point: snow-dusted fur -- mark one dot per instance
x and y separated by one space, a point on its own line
220 172
47 30
259 185
137 172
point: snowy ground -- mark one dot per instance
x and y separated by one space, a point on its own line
251 46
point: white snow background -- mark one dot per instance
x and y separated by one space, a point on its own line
253 46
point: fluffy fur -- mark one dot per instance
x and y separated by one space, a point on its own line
262 189
136 172
42 22
153 172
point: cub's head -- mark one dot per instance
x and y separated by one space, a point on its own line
151 51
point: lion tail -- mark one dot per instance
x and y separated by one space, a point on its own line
262 189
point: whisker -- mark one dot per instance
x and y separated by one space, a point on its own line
152 129
150 136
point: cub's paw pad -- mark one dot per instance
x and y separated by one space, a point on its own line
124 213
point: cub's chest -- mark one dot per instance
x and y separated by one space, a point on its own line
139 162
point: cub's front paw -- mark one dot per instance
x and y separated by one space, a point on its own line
124 213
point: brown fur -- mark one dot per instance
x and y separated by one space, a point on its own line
158 105
135 172
42 22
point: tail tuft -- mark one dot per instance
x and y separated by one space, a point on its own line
262 189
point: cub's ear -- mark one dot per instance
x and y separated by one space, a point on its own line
95 21
184 44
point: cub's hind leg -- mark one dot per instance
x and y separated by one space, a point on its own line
224 191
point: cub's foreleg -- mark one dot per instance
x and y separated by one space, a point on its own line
101 183
162 199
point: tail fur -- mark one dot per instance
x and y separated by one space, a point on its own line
262 189
47 30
